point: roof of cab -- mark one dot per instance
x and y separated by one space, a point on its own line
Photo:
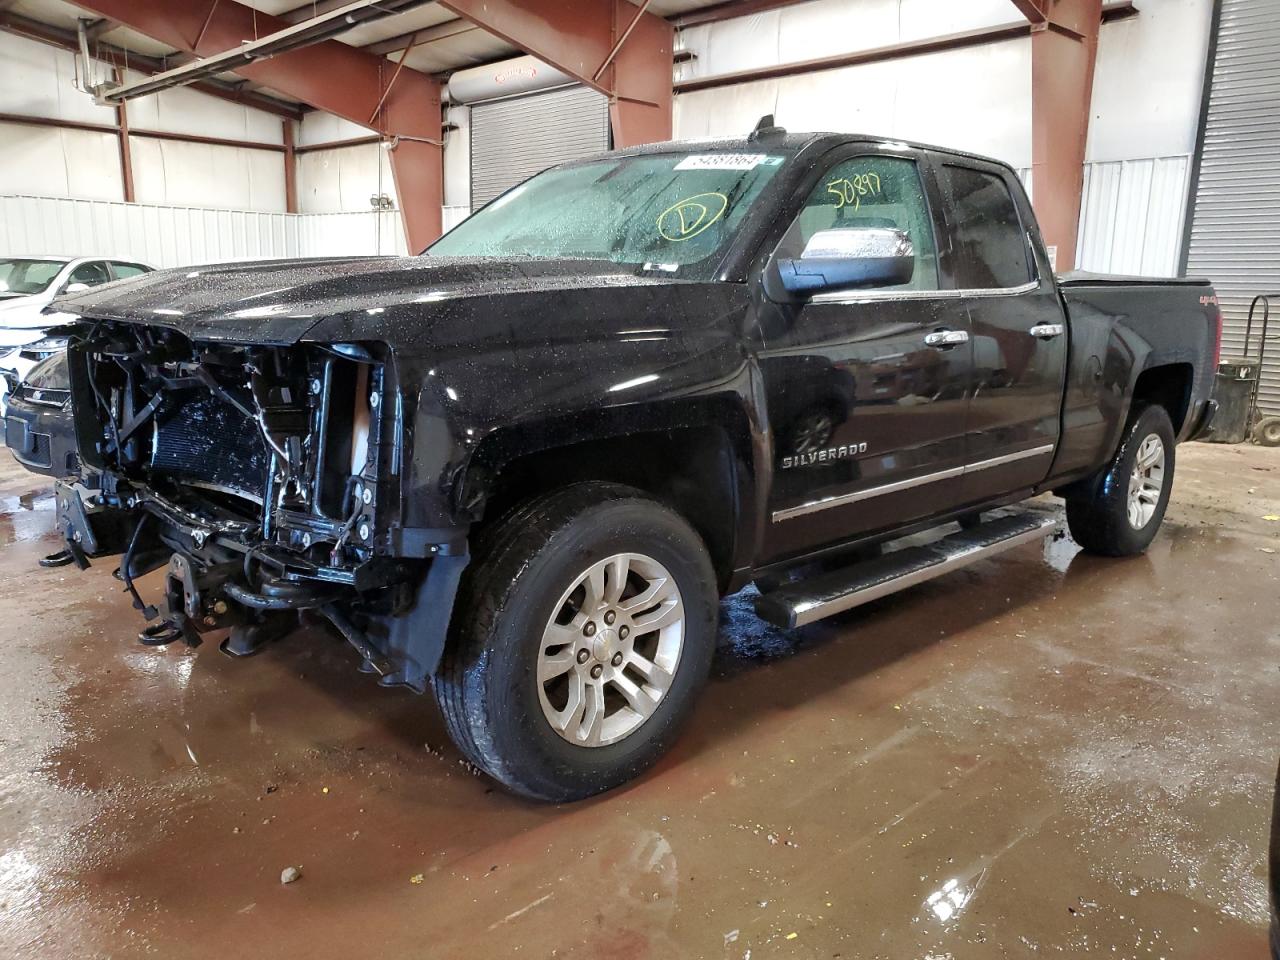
786 142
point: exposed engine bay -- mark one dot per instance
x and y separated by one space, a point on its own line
253 472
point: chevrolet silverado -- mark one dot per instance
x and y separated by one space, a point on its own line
522 469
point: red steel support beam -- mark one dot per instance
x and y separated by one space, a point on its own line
1064 47
1033 10
581 37
336 144
126 153
330 76
114 128
290 169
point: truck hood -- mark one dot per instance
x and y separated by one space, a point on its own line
279 302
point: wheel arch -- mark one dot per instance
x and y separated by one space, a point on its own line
1168 385
697 458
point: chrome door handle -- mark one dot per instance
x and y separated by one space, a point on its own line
1046 331
946 338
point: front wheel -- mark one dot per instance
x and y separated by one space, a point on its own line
586 628
1122 509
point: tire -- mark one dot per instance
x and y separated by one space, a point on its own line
528 572
1267 432
1102 518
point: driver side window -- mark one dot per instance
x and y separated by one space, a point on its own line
870 192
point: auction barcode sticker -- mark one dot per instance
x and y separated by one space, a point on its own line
721 161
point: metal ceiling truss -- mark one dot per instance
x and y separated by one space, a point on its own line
303 61
120 58
614 46
307 33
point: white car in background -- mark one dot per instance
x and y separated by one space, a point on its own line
27 286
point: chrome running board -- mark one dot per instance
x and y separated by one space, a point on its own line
805 601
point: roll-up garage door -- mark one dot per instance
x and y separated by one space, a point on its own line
513 139
1235 220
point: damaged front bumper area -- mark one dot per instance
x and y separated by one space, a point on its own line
265 480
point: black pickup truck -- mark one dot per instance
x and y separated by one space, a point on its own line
523 468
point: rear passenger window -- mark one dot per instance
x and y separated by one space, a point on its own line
869 192
123 270
90 274
987 240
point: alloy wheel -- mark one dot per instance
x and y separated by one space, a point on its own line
610 650
1146 482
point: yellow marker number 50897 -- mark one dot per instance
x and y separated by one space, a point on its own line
850 191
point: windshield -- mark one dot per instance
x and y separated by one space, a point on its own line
20 278
669 211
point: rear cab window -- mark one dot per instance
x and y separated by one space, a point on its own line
988 242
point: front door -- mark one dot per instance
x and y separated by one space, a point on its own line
1018 326
867 390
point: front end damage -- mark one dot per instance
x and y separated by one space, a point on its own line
266 481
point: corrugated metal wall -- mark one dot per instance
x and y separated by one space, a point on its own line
159 235
1131 216
345 234
1235 226
167 236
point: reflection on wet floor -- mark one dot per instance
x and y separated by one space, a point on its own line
1046 754
20 515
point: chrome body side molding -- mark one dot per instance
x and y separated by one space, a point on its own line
840 500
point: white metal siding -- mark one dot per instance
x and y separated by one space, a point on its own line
511 140
350 234
454 215
162 236
1131 216
1235 229
169 236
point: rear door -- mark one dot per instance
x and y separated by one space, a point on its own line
994 262
866 389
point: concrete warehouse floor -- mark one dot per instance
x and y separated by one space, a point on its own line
1040 756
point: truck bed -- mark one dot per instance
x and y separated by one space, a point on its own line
1087 278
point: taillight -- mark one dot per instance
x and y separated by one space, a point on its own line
1217 337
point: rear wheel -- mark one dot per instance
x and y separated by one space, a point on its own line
1123 508
587 625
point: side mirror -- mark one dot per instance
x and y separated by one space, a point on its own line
845 259
75 288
